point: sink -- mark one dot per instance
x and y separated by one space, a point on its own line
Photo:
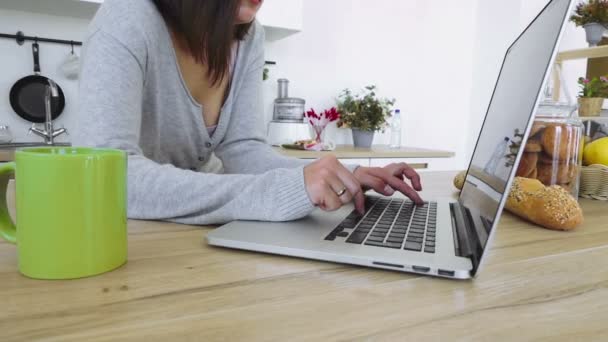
8 146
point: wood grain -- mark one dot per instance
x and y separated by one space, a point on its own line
376 151
537 284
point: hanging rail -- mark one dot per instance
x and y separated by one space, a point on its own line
21 38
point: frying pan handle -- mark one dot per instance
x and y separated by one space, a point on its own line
36 53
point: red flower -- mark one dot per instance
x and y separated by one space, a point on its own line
332 114
312 114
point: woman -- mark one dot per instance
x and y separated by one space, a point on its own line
173 81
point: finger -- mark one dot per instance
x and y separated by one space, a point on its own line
413 176
377 184
397 184
353 186
330 200
337 186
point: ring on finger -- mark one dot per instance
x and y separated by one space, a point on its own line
341 192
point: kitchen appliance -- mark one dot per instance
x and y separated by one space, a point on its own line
287 109
288 125
27 96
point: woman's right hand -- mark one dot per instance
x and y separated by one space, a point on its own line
326 179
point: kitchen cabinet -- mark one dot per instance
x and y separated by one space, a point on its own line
280 18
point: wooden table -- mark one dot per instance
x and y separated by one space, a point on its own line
536 284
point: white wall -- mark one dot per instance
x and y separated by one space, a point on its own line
16 62
438 58
574 38
418 51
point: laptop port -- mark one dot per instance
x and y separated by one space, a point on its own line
421 269
446 273
387 265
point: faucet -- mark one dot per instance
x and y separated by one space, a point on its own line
49 133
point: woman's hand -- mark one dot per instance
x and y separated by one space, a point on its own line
330 185
390 178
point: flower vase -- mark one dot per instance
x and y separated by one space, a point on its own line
595 33
363 139
590 106
318 130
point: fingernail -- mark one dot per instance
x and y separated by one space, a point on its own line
389 190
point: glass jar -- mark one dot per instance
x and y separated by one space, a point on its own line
553 152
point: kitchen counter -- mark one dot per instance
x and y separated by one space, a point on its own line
376 151
7 151
381 155
536 284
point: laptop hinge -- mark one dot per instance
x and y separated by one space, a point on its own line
465 238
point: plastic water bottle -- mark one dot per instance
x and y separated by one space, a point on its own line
500 152
396 130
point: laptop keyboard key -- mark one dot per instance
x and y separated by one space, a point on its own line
356 238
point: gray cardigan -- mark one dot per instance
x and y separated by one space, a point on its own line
133 97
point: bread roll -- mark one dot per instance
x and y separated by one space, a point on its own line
536 128
460 179
527 164
562 173
550 207
533 146
534 174
560 141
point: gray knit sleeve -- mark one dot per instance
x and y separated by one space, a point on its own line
110 115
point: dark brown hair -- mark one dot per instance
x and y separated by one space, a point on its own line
208 30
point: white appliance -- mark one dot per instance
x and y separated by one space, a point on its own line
288 124
280 133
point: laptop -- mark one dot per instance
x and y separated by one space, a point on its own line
445 237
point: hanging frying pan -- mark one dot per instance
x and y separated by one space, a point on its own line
27 95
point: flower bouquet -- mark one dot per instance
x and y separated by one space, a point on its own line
319 122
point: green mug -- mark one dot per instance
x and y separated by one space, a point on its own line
71 206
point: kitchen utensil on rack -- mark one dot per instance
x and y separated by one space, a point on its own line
27 96
70 66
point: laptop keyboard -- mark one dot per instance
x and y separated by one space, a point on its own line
391 223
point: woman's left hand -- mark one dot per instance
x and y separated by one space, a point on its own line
391 178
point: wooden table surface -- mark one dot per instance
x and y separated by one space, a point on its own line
537 284
376 151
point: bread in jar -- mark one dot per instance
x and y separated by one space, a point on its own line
533 146
560 141
537 127
557 173
527 164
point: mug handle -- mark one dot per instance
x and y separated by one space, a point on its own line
7 227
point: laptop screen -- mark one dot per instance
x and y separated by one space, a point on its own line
509 114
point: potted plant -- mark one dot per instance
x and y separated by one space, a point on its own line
593 16
364 113
591 96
